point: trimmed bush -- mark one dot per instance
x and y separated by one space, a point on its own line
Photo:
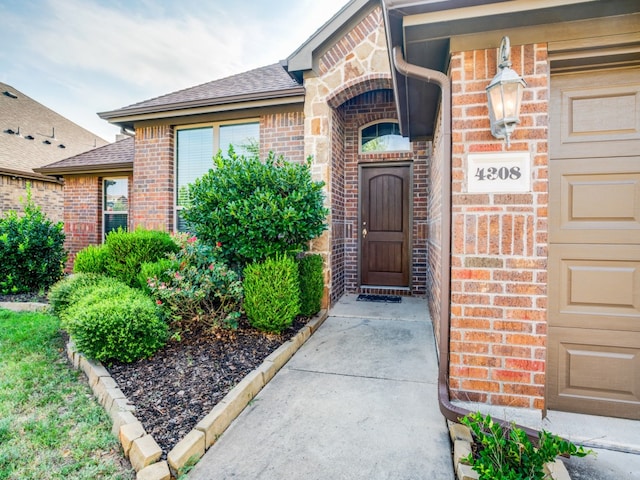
272 293
112 321
199 288
64 293
129 250
92 259
253 209
311 284
32 251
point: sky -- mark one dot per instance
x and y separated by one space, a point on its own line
80 57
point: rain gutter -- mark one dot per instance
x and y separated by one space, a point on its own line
449 410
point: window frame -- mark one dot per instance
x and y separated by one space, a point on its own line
215 132
104 202
380 152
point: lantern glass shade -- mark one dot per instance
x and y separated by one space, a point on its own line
504 95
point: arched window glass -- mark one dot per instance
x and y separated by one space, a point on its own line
383 137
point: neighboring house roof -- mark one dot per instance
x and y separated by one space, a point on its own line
255 88
114 157
32 135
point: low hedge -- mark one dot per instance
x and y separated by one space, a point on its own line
111 321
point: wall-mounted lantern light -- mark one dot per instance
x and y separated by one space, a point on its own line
504 94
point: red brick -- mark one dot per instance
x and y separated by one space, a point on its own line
526 365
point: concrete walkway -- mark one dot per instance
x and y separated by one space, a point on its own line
357 401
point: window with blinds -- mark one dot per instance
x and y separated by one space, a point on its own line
115 206
195 148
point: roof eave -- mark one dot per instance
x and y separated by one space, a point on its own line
302 58
292 93
87 169
29 175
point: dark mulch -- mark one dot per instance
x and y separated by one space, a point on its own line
179 385
23 297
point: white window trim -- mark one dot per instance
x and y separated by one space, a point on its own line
381 120
216 147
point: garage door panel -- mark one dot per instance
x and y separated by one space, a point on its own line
594 119
593 344
585 375
593 198
595 286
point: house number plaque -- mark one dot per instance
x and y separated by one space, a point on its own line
499 172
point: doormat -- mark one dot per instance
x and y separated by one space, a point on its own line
379 298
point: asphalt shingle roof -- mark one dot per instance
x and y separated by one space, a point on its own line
263 82
114 155
32 135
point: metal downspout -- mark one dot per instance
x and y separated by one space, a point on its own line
449 410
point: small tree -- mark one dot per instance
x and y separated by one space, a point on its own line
32 251
253 209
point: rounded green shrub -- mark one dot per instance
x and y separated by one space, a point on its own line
92 259
129 250
272 293
311 284
112 321
64 292
255 209
32 253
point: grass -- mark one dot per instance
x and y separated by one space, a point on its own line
50 425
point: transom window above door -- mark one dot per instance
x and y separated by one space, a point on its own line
383 136
196 147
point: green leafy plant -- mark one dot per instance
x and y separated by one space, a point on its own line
112 321
92 259
255 209
508 454
311 284
129 250
32 251
198 288
272 293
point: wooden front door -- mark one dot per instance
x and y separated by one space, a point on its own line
594 244
385 225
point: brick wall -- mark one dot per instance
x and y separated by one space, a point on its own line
47 195
82 214
499 242
283 133
151 203
337 212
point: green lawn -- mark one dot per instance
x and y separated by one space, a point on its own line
50 425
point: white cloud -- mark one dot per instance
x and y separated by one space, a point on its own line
94 55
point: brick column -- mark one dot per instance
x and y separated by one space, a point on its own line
153 179
499 242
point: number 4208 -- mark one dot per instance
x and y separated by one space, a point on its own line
502 173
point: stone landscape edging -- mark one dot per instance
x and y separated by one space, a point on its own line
462 439
142 450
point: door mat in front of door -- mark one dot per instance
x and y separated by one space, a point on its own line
379 298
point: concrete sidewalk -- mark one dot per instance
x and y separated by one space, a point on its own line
357 401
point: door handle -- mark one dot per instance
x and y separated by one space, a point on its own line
364 233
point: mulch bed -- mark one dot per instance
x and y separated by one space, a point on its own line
180 384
